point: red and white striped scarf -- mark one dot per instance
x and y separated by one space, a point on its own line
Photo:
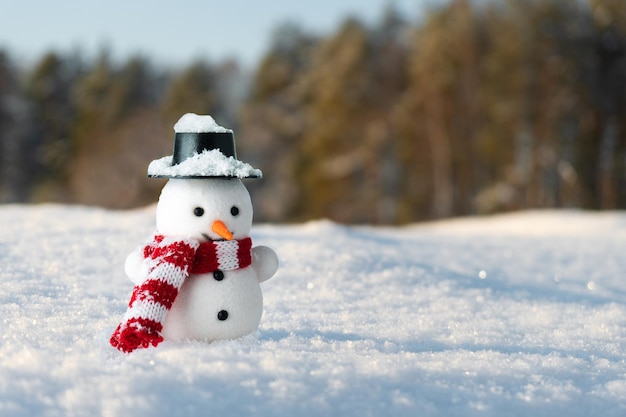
169 262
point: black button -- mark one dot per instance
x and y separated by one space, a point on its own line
222 315
218 275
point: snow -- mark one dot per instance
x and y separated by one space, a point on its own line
516 315
211 163
193 123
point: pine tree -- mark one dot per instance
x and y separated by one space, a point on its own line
117 131
439 116
334 153
273 121
191 91
609 90
14 179
49 92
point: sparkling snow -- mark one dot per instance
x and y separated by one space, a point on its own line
512 315
211 163
194 123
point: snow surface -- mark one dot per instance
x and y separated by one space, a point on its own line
194 123
211 163
513 315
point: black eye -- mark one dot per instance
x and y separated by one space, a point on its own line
234 210
222 315
198 211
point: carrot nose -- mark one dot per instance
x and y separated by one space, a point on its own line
220 228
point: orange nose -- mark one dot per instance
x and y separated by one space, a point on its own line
220 228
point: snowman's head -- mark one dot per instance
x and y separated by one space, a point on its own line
204 209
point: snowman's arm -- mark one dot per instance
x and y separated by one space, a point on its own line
133 266
264 262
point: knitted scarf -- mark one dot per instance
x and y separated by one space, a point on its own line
168 263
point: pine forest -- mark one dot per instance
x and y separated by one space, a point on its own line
475 108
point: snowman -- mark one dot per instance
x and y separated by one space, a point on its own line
198 277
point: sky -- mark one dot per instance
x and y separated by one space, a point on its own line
174 33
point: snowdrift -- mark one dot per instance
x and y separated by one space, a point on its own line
515 315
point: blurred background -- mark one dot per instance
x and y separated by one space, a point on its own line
375 112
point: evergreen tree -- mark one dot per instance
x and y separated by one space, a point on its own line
117 130
14 180
49 91
608 186
193 90
273 121
441 112
333 155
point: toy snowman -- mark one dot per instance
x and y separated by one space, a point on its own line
198 277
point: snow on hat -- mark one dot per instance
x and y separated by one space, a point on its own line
202 149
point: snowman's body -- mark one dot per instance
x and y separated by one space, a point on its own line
221 304
211 309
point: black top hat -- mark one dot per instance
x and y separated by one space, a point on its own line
187 144
190 144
